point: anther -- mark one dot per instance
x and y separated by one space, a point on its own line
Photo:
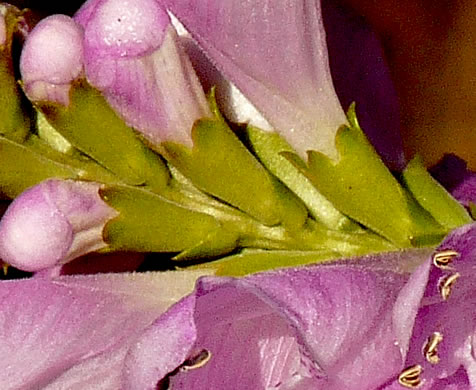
196 361
446 284
430 349
410 377
444 258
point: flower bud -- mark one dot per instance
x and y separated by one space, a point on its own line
133 56
52 223
51 59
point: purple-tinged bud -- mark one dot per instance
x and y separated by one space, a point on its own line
51 59
53 223
133 56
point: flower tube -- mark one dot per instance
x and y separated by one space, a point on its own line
280 62
133 56
52 223
277 57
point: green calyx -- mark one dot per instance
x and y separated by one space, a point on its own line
220 165
15 123
92 127
240 196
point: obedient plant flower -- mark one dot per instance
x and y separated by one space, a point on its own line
52 69
133 56
280 62
277 57
52 223
403 320
358 325
51 59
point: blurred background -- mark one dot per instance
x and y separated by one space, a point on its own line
431 51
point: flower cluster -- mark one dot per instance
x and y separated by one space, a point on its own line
216 134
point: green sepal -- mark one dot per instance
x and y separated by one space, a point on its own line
218 242
220 165
472 209
148 222
15 124
48 133
268 146
250 261
93 127
360 185
27 164
347 244
426 231
446 210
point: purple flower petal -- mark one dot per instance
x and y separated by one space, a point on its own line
74 332
458 381
51 59
276 54
445 327
332 327
132 55
52 223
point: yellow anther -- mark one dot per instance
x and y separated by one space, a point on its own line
197 361
446 284
444 258
410 377
430 349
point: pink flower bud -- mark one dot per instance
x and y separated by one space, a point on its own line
51 59
132 55
52 223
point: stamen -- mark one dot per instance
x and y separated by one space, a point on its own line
410 377
444 258
430 349
197 361
446 284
